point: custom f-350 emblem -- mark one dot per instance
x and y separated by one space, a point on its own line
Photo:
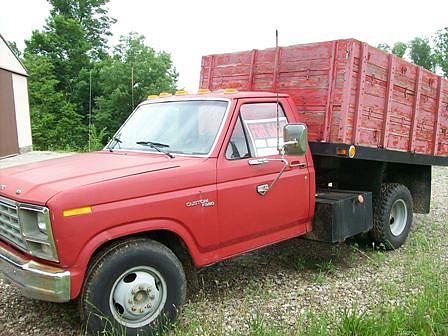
202 202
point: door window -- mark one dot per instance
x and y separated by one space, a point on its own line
238 147
255 133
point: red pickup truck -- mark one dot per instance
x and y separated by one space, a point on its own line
190 180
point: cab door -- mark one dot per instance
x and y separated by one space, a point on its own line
248 219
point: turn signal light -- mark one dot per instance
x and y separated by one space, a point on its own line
77 211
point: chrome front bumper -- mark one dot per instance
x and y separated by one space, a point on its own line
35 280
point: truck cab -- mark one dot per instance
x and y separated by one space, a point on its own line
187 181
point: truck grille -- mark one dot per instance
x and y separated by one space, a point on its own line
10 223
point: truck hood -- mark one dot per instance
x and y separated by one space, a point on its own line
38 182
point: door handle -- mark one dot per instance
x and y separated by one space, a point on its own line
301 165
256 162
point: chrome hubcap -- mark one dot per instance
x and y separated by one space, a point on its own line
398 217
138 296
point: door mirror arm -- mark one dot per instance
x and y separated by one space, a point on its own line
264 188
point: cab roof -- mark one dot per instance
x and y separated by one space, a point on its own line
217 94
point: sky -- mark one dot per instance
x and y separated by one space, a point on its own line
190 29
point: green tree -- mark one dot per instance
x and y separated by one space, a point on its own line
441 50
421 53
55 123
399 49
13 46
152 71
91 16
75 35
72 40
384 47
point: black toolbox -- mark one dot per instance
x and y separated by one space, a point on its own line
341 214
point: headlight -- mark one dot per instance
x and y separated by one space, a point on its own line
36 230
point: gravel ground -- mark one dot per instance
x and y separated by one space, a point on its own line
281 282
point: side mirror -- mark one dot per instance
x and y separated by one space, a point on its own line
295 139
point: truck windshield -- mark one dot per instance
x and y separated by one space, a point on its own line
186 127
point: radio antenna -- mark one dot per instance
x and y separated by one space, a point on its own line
90 108
276 89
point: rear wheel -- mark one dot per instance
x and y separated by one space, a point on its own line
392 215
135 287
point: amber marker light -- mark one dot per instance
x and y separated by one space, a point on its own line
181 92
77 211
201 91
153 96
230 90
165 94
341 151
351 152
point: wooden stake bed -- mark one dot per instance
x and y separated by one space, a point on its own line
347 92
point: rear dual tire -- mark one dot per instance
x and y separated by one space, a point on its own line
392 217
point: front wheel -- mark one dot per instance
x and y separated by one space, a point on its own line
392 216
134 288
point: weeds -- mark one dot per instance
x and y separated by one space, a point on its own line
300 264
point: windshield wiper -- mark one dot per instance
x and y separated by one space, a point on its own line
117 141
156 146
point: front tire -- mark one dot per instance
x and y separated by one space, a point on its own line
392 218
135 287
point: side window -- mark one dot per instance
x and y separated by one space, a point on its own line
260 122
237 147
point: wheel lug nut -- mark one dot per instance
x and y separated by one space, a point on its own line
133 292
148 290
141 310
148 306
130 301
133 308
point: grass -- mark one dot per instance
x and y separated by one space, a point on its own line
423 314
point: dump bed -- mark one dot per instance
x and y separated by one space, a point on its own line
347 92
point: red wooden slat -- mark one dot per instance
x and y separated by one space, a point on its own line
435 145
415 109
360 93
330 91
210 72
276 71
388 99
252 69
347 91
